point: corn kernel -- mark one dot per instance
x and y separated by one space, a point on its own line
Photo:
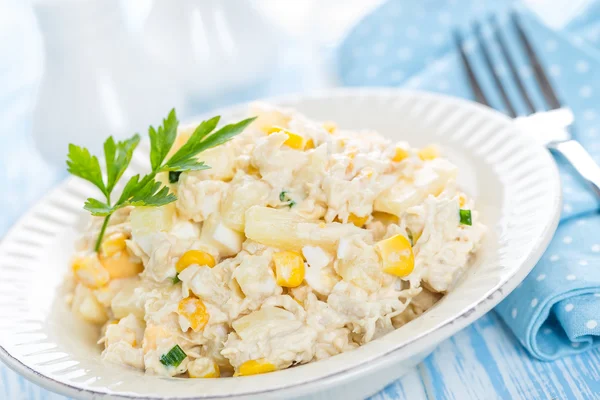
195 311
400 154
310 144
113 244
89 271
294 140
254 367
252 170
397 255
358 221
429 153
289 268
196 257
386 218
330 126
462 200
120 265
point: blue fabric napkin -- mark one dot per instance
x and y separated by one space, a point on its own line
556 310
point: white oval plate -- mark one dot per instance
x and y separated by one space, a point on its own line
515 183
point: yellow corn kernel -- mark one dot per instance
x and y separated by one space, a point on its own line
330 126
289 268
400 154
213 372
322 225
294 140
397 255
196 257
89 271
254 367
195 311
358 221
120 265
386 218
113 244
462 199
310 144
429 153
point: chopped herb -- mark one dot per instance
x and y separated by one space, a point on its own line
175 279
174 357
174 176
283 197
465 217
145 190
410 237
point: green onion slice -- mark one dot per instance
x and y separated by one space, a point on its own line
465 217
174 357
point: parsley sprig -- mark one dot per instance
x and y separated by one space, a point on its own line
146 191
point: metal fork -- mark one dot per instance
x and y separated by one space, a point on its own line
552 127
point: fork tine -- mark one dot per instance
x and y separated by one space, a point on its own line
540 75
489 63
479 95
511 64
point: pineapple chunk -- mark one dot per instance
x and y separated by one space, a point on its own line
397 255
146 221
87 306
286 230
289 268
240 198
428 181
259 322
268 116
203 367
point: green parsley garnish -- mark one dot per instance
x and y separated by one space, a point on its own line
174 357
410 237
175 279
146 191
465 217
283 197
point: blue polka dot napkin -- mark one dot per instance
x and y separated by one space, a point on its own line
556 310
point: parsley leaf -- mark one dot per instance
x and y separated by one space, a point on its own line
162 139
202 139
86 166
118 156
146 191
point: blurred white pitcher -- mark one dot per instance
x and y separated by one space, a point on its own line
216 46
96 81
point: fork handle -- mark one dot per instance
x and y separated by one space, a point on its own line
581 160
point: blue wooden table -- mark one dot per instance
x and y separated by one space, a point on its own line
483 361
